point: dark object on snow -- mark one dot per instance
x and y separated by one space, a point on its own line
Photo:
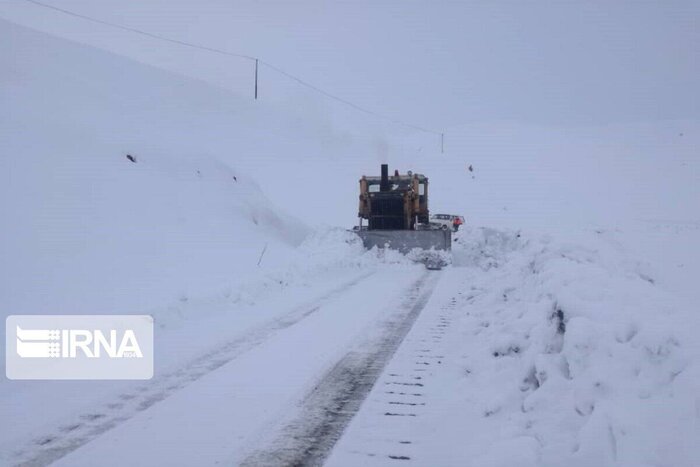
434 263
471 169
131 158
558 317
262 254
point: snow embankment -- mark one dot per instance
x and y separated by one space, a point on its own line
115 197
572 355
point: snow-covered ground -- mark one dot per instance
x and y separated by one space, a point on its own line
563 333
535 352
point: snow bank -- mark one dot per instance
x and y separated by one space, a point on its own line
326 253
572 355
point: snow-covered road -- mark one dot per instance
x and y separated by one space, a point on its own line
308 437
228 403
401 419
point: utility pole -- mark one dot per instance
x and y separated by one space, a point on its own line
256 79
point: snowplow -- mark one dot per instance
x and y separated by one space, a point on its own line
396 210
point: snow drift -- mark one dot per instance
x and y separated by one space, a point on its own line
572 355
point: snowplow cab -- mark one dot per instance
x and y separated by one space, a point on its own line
396 210
396 202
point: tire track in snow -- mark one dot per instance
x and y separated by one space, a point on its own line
328 408
387 429
71 435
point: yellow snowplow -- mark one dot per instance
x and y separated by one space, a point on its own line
396 210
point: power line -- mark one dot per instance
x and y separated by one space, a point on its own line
343 101
237 55
143 33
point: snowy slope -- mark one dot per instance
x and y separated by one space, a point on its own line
290 131
87 230
96 232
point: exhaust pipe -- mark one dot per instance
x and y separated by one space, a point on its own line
385 186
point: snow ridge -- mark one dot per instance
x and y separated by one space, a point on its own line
572 348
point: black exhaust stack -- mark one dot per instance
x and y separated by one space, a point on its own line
385 186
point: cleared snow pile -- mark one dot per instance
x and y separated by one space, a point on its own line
326 254
339 247
572 356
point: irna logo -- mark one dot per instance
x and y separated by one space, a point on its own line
79 347
68 343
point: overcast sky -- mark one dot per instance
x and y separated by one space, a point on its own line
436 64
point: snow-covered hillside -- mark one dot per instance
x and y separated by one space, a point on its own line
86 229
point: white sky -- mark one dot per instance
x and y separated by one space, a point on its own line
436 64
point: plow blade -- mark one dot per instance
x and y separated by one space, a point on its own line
406 240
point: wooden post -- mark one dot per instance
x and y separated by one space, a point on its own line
262 253
256 79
